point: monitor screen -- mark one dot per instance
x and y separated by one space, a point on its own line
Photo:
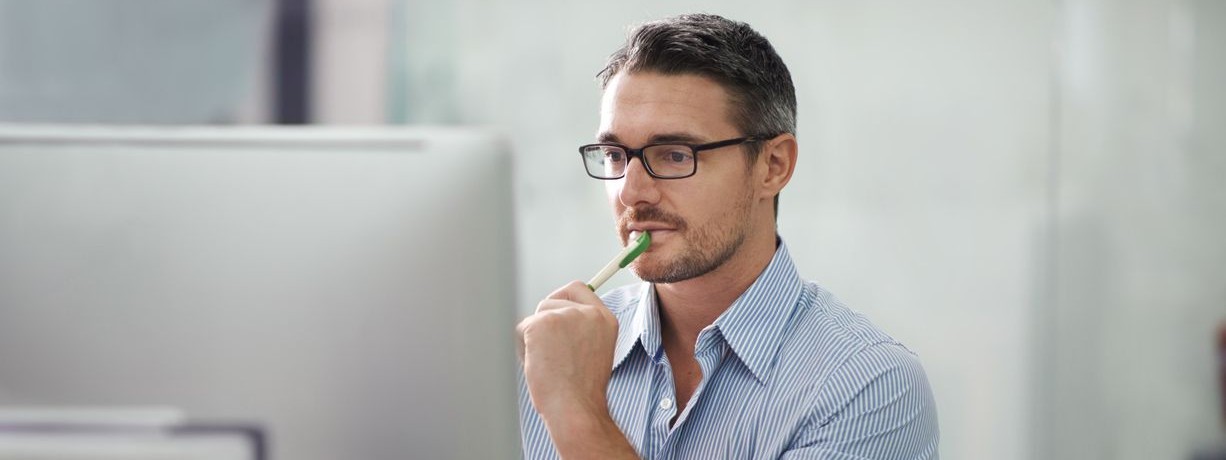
125 442
351 290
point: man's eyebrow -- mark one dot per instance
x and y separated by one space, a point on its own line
607 137
676 137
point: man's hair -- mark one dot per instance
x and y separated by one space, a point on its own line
761 95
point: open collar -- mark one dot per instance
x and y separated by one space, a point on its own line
753 325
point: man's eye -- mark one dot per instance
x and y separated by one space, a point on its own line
678 156
614 155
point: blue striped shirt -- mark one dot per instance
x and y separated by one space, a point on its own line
787 372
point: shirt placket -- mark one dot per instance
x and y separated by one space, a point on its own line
664 399
709 355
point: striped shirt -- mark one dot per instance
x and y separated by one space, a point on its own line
787 372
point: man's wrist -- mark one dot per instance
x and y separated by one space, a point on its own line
587 431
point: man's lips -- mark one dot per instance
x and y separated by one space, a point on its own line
647 227
656 235
659 234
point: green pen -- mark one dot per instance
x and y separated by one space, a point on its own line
627 255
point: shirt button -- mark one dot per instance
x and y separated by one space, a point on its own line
666 404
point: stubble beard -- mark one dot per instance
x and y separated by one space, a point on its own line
704 249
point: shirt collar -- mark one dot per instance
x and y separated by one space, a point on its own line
753 325
645 314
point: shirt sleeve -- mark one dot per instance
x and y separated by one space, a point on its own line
877 405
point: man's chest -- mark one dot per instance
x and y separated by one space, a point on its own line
729 413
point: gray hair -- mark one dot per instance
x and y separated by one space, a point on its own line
729 52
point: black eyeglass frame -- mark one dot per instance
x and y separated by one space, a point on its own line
631 153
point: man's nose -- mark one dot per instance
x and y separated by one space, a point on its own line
638 187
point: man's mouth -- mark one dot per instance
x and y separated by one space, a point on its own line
658 235
651 220
648 227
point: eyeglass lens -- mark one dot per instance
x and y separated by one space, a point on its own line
609 161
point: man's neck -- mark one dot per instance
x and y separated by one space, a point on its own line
691 305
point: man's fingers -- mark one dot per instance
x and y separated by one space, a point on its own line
566 307
553 304
519 338
548 311
576 291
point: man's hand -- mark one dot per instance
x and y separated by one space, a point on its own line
567 352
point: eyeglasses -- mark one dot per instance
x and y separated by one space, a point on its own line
662 161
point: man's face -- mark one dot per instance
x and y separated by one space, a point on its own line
696 223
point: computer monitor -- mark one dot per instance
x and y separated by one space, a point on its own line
111 435
351 290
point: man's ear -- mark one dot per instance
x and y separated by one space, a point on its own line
777 161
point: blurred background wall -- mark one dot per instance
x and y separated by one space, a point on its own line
1026 193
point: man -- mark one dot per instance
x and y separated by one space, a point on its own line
723 351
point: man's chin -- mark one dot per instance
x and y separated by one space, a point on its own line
660 273
648 270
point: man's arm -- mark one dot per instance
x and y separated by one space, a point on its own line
567 353
877 405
